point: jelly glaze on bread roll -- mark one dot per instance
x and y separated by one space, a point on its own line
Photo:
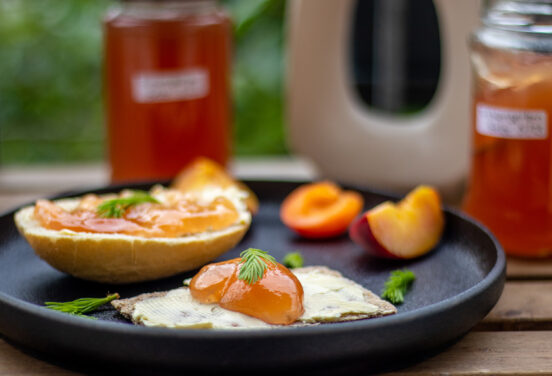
120 258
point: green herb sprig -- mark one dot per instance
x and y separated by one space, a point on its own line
253 264
81 306
293 260
397 285
116 207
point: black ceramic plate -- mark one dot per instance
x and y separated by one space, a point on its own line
456 286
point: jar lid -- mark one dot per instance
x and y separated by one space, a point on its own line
518 15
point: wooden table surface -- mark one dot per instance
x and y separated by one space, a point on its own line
514 339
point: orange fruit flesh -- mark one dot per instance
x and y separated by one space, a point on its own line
320 209
277 298
203 172
180 216
411 227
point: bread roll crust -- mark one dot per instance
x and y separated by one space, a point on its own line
118 258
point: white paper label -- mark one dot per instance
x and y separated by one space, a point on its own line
508 123
154 87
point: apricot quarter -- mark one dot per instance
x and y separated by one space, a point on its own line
408 229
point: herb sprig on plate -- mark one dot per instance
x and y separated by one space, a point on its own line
293 260
116 207
80 307
397 285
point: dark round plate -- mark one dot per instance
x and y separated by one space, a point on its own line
456 286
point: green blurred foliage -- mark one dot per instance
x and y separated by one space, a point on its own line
51 86
258 75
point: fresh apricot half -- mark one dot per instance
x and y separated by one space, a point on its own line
320 210
405 230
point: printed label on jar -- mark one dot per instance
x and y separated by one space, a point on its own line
509 123
154 87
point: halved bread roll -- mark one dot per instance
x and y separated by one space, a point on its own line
120 258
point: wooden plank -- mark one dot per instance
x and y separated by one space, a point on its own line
478 353
529 268
14 200
21 184
15 362
54 178
273 169
491 353
524 305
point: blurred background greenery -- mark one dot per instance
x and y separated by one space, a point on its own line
51 87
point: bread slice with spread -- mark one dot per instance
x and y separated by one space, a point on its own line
328 297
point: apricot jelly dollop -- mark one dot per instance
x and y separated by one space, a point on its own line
177 215
276 298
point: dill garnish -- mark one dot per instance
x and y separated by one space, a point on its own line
397 285
81 306
116 207
293 260
254 264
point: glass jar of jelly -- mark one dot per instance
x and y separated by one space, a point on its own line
510 184
167 67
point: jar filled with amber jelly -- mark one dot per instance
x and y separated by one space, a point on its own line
167 67
510 185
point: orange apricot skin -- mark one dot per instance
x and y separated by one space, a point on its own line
408 229
320 210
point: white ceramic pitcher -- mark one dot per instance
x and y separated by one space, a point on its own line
351 143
